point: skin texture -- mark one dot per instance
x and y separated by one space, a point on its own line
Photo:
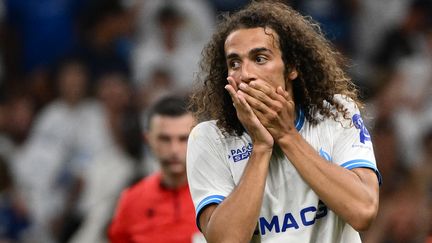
167 138
256 70
262 94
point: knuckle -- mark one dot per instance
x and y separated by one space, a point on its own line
260 96
278 106
272 115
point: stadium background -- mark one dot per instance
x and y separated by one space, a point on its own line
77 76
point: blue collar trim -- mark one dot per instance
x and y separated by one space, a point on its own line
300 119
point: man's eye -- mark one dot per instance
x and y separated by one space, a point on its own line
260 59
234 64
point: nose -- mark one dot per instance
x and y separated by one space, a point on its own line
176 147
247 74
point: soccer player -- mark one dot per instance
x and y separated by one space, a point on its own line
159 207
281 153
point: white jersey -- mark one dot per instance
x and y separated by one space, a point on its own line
291 211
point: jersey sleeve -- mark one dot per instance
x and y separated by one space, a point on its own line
209 176
352 147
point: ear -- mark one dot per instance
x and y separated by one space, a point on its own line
293 74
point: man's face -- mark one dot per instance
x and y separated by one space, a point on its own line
167 138
254 54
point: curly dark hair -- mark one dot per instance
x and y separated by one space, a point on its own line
320 67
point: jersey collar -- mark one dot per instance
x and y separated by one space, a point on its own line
299 119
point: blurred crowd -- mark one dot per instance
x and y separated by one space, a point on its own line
77 77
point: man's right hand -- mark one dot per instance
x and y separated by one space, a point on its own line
260 136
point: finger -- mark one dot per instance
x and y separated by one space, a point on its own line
260 115
284 93
261 101
253 102
256 94
262 86
265 93
243 103
232 93
288 100
264 118
232 82
257 88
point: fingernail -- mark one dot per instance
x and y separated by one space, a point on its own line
242 85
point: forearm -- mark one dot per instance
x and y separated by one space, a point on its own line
342 190
235 219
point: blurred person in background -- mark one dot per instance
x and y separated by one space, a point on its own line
384 43
159 208
336 18
111 165
424 172
401 40
407 97
169 36
386 152
160 83
16 119
14 217
105 28
405 213
45 167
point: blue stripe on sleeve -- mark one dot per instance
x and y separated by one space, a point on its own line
362 163
213 199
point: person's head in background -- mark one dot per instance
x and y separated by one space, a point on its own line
114 91
168 126
170 21
72 80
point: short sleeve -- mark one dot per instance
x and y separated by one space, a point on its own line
352 147
209 176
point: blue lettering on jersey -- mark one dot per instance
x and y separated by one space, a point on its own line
308 216
289 222
359 124
303 213
241 153
322 210
274 223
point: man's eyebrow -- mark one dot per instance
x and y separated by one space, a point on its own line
254 51
258 50
232 55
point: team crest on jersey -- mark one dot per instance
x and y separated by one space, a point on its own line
241 153
359 124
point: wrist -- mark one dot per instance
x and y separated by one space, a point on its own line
288 138
262 148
